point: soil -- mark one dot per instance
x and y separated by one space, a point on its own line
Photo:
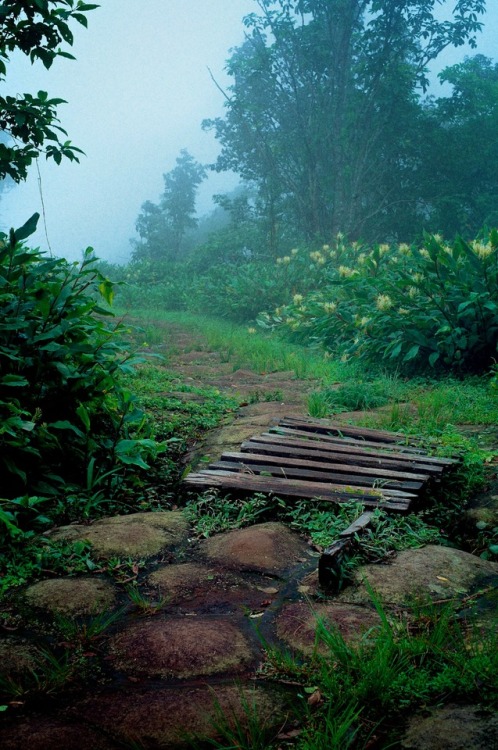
191 644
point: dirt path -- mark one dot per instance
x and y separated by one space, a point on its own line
188 635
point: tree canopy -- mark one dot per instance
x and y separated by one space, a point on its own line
37 28
326 114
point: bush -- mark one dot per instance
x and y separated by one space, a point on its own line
434 306
65 421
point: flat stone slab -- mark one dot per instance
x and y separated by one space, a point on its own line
17 655
453 728
431 571
72 596
266 547
186 582
181 648
170 718
42 733
139 535
296 624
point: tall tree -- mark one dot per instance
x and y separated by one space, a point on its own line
460 174
162 228
36 28
322 110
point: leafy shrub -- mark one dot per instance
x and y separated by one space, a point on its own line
65 421
434 306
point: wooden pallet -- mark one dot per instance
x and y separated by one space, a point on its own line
327 461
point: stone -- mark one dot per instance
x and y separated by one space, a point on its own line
139 535
453 728
182 648
17 656
72 596
267 548
429 572
296 623
43 733
171 718
206 585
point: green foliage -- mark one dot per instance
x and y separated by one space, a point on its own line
35 28
66 422
415 308
426 657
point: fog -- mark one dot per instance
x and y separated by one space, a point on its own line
137 93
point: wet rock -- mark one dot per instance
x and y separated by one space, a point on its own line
17 656
297 622
170 718
211 587
266 547
137 535
72 596
453 728
42 733
429 572
182 647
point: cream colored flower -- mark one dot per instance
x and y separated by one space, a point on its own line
279 261
329 307
413 292
383 302
424 252
403 311
403 248
325 248
251 330
297 299
317 257
345 272
294 251
383 249
286 260
481 250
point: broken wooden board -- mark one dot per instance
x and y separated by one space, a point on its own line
328 462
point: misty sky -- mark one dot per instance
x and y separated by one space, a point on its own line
137 94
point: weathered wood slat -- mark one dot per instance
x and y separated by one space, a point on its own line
385 447
287 472
322 460
325 426
361 523
349 448
380 473
262 445
311 490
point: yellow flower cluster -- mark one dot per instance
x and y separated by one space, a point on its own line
317 257
482 250
383 302
404 249
284 261
297 299
346 272
329 307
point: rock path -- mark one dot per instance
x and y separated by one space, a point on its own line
191 643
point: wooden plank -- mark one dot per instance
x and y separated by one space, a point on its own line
262 445
315 476
386 447
338 429
355 448
311 490
361 523
326 426
380 473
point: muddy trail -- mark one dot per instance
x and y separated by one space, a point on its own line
148 648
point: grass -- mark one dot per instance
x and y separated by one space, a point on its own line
264 352
366 686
